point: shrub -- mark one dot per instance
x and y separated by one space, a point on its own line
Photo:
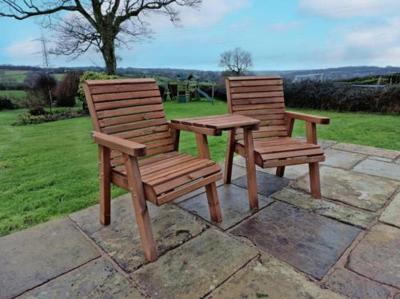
6 103
90 76
342 97
30 119
67 90
40 89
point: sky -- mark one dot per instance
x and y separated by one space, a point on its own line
280 35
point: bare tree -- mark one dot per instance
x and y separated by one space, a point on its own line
101 24
236 62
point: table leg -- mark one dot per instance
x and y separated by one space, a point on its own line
251 168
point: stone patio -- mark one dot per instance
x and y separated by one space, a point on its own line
343 246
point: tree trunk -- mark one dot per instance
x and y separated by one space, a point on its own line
108 51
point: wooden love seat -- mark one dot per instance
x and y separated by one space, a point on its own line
138 151
262 98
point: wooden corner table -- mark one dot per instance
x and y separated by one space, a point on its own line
214 126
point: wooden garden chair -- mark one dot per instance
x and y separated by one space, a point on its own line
262 98
138 151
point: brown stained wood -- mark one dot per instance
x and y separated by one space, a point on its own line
230 151
187 188
130 118
262 98
123 88
308 118
197 130
211 189
311 133
126 103
122 145
263 88
126 95
129 121
255 95
315 185
105 185
141 211
251 169
129 111
134 126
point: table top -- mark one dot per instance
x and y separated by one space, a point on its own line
220 122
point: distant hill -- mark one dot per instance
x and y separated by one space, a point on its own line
16 74
337 74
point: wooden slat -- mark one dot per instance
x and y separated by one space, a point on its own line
291 154
130 118
178 182
247 83
129 110
293 161
259 107
187 188
254 95
126 95
258 101
122 88
263 88
127 103
143 132
92 83
134 125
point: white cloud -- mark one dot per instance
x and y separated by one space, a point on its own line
367 44
349 8
22 49
208 14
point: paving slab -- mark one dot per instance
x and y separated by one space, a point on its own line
391 214
355 286
342 159
97 279
267 184
356 189
237 171
367 150
171 227
380 159
340 212
233 201
379 168
269 278
34 256
397 296
310 242
195 268
377 256
292 172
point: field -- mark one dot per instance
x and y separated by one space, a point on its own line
50 170
13 94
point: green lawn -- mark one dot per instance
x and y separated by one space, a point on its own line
49 170
14 94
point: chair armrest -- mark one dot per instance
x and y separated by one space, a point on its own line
124 146
321 120
195 129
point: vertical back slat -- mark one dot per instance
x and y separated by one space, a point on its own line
131 109
261 98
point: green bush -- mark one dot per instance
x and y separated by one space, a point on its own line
91 76
67 90
6 103
31 119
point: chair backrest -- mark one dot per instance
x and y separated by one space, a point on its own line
131 109
261 98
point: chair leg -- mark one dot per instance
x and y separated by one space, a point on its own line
251 169
213 203
229 157
140 207
105 186
280 171
315 185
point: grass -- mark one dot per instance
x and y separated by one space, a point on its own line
14 94
50 170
